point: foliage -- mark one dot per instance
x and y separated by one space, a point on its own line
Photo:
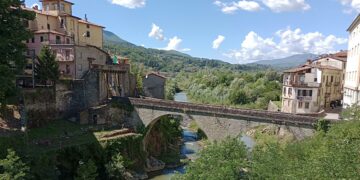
12 34
322 125
332 155
224 160
115 168
169 61
162 140
47 69
124 106
86 171
224 87
170 89
352 112
139 72
12 167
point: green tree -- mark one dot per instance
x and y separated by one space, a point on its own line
12 49
224 160
12 168
86 171
47 69
115 168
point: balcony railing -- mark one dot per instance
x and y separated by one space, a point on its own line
62 57
59 42
304 98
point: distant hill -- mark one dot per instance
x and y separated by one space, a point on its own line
167 61
288 62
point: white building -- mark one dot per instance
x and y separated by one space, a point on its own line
351 87
311 88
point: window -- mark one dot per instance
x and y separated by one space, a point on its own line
67 69
67 41
41 39
290 91
62 7
55 6
332 78
304 93
32 40
310 93
47 7
48 26
27 41
299 93
87 33
315 79
300 105
284 90
58 40
87 26
307 105
67 54
62 23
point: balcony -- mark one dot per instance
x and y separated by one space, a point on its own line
64 58
304 98
59 42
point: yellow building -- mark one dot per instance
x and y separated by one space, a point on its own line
57 27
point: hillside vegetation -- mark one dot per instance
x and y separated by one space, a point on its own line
167 61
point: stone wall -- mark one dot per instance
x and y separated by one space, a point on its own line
40 106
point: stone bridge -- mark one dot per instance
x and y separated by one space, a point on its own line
218 122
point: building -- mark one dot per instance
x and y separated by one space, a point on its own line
351 86
154 85
56 27
311 88
337 60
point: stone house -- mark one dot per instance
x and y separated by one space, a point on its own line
154 85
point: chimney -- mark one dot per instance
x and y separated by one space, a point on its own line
309 62
86 19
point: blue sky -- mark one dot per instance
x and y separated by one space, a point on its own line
238 31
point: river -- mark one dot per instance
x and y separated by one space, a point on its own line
191 145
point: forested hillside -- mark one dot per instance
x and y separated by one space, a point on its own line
167 61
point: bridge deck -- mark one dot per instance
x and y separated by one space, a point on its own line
277 117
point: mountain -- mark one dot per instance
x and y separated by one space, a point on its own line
167 61
288 62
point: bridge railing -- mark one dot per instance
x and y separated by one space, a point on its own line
276 116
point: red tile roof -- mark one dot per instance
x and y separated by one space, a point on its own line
306 67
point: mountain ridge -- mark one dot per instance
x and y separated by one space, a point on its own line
175 61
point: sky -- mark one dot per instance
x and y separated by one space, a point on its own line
236 31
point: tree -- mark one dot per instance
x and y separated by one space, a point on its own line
115 168
47 69
86 171
224 160
12 168
12 49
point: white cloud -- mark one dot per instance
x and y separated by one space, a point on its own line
286 5
36 4
352 5
156 32
218 41
290 42
174 44
229 8
131 4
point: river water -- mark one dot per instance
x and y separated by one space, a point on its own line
191 145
